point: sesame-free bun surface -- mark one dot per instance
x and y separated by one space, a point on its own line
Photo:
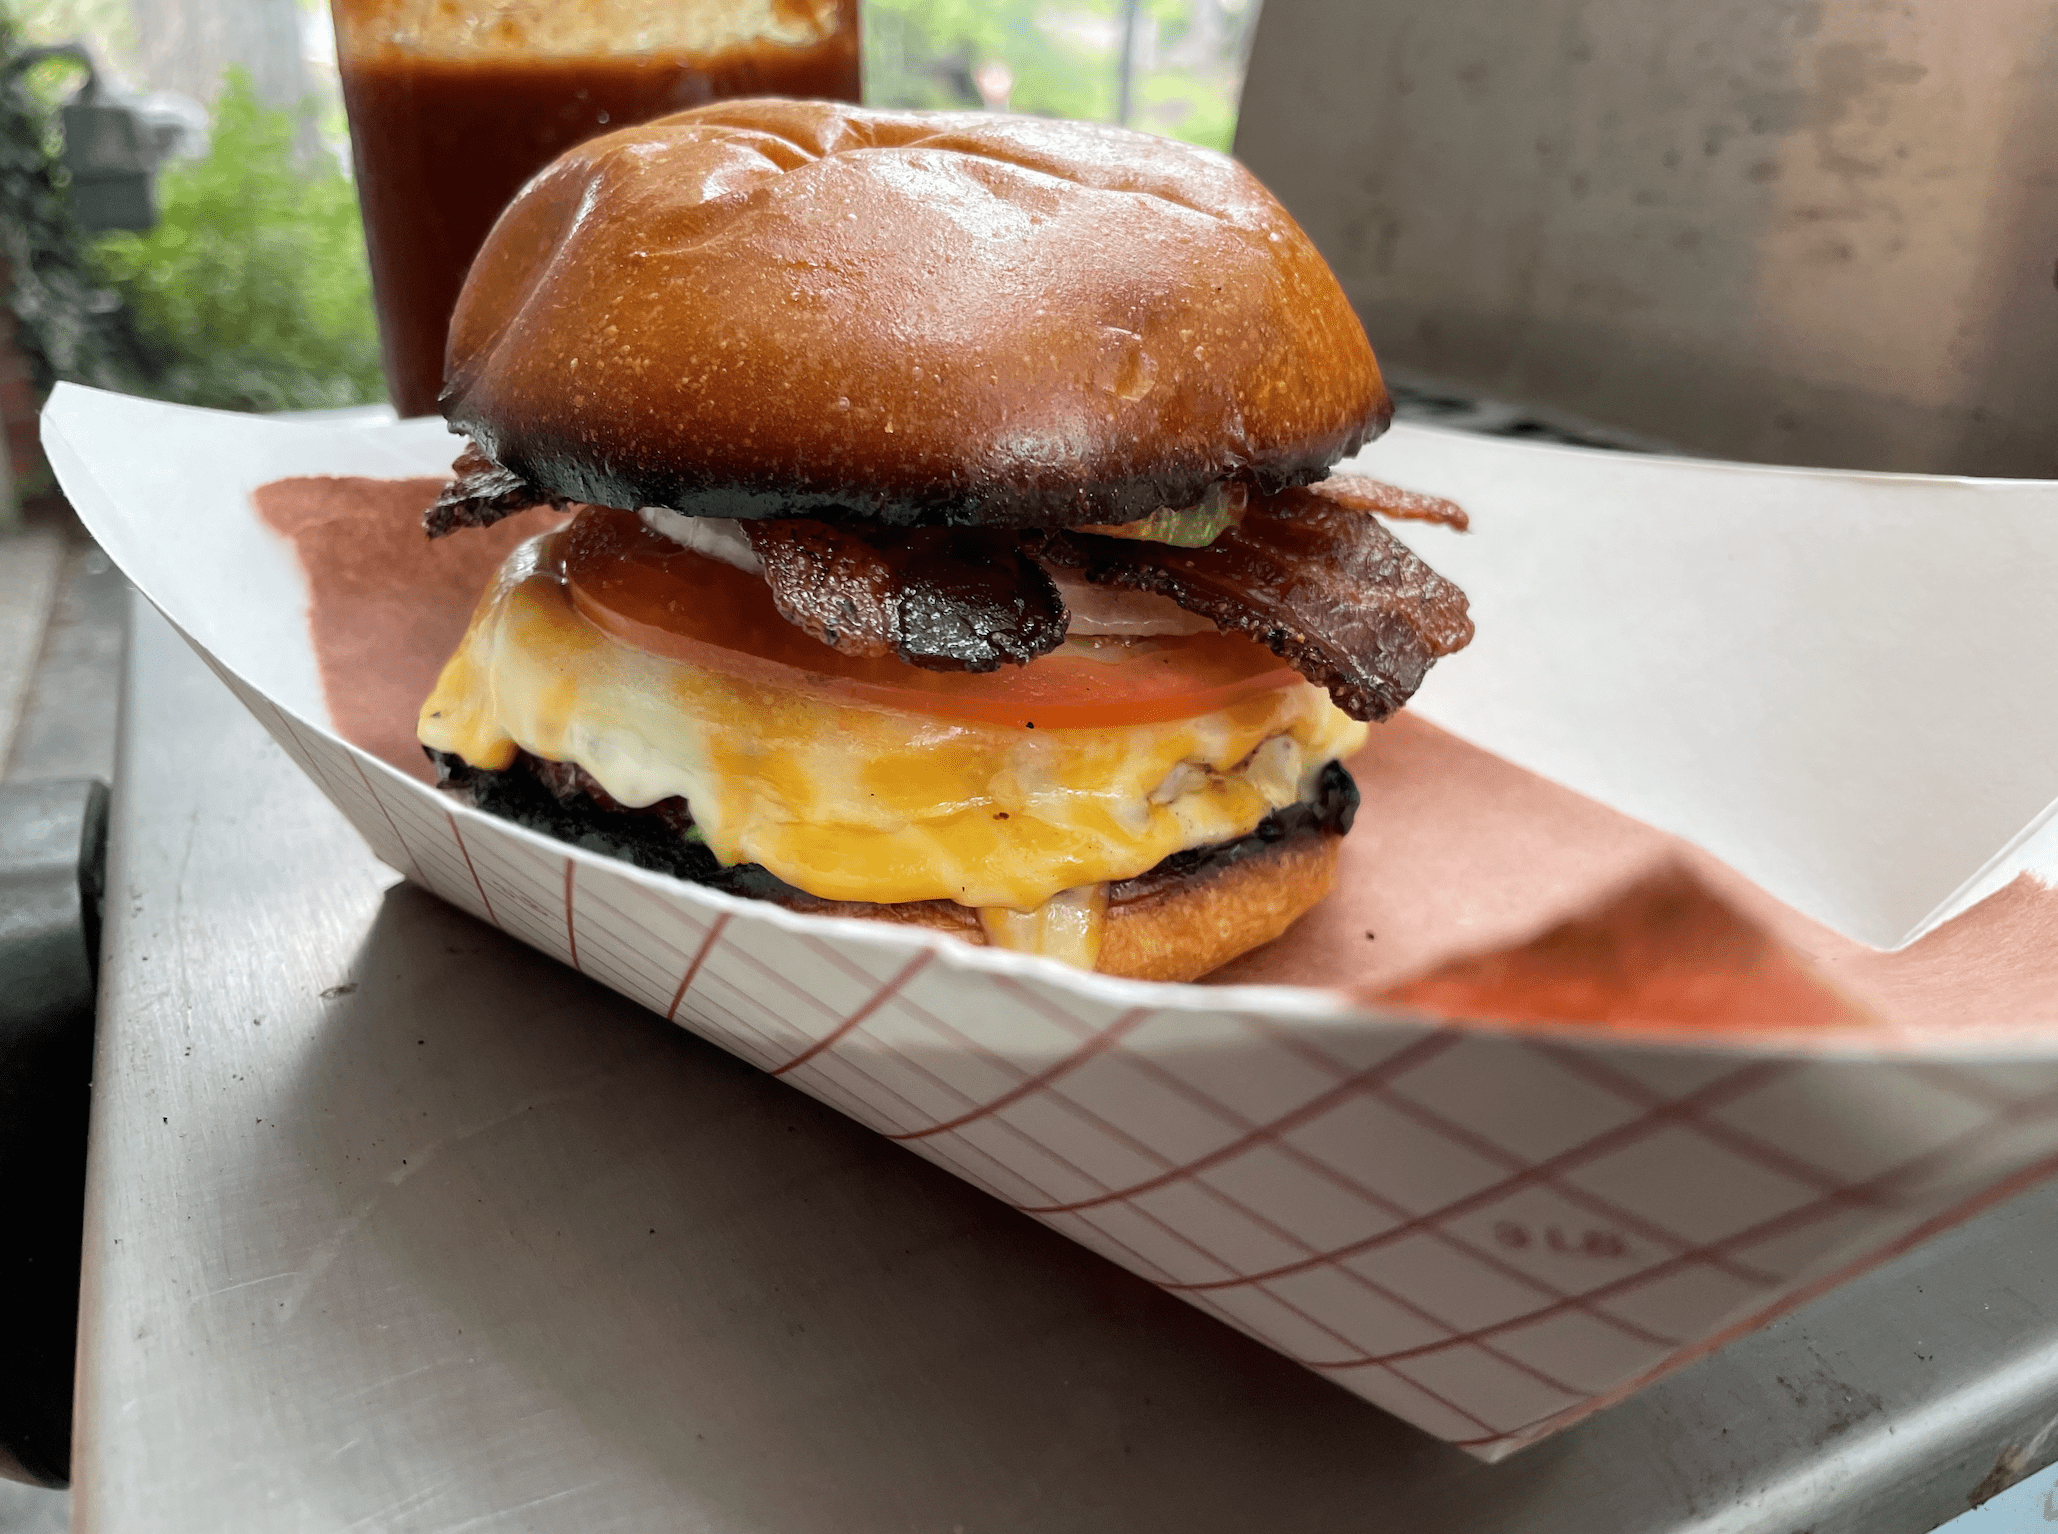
769 308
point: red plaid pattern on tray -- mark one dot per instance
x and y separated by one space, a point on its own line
1487 1234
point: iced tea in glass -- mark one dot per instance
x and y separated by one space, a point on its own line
454 104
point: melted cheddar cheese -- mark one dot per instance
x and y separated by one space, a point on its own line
850 801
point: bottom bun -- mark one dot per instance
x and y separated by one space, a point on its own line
1191 914
1183 927
1216 915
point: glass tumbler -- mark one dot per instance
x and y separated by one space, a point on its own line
454 104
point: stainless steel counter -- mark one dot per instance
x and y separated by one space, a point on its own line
394 1225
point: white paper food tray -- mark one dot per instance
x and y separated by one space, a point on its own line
1840 684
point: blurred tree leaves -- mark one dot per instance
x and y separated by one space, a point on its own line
252 290
1063 55
67 324
921 53
250 294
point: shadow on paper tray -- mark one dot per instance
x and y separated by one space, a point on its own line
649 1261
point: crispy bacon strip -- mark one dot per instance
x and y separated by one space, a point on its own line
1359 492
1327 588
944 599
481 494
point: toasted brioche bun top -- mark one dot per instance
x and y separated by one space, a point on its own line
796 308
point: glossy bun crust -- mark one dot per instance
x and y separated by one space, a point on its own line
796 308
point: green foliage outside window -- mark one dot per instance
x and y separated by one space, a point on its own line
921 53
66 323
250 294
252 289
1063 58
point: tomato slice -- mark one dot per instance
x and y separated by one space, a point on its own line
649 592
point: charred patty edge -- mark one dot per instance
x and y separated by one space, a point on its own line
563 802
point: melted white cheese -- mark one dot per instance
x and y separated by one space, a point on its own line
1067 927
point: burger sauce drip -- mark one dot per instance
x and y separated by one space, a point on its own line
442 145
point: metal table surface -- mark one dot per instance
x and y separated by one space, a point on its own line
395 1225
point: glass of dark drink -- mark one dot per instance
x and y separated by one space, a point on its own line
454 104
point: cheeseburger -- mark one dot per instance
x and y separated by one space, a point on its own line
953 539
